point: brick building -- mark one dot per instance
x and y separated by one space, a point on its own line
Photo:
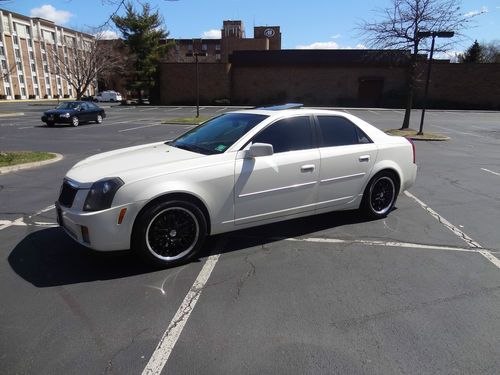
26 46
233 38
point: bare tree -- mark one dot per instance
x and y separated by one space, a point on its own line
83 61
399 27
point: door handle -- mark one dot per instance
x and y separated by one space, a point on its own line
307 168
363 158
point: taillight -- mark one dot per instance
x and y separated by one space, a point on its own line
413 149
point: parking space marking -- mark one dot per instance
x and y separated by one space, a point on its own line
162 352
221 110
408 245
20 221
468 240
148 109
139 127
487 170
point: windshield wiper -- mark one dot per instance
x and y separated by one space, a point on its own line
192 148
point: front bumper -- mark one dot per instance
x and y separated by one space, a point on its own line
56 119
99 230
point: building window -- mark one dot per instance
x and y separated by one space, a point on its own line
37 91
2 51
32 55
35 80
217 56
46 68
30 43
4 64
47 80
17 53
23 91
49 91
217 47
21 79
33 68
204 47
59 81
44 56
42 44
190 47
8 91
16 40
19 66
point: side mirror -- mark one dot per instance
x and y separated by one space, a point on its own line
260 149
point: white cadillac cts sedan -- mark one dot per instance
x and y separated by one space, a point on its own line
238 170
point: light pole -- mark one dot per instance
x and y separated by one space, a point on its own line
433 34
196 55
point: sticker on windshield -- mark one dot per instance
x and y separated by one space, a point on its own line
220 148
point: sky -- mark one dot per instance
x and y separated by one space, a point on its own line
316 24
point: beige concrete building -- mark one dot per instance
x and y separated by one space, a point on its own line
26 47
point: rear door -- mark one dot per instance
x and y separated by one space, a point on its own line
281 184
347 158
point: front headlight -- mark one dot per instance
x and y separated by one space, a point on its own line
101 194
65 115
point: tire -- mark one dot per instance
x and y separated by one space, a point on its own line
98 119
169 233
75 121
50 124
380 195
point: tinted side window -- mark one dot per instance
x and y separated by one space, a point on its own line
338 131
287 134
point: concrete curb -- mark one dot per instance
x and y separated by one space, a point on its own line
13 114
17 167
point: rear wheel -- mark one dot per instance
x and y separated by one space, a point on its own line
169 233
98 119
380 195
75 121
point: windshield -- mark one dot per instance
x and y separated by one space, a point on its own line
218 134
68 105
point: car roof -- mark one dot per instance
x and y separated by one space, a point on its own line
289 112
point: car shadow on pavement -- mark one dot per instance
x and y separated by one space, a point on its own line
265 234
49 257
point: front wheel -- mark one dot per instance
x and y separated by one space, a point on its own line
75 121
169 233
98 119
380 195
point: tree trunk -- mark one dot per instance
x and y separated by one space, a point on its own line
411 87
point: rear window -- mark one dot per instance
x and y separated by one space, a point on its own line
339 131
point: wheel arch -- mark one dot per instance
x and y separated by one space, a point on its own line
179 196
386 166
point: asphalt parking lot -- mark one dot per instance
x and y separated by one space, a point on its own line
415 293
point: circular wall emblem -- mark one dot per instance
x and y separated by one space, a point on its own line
269 33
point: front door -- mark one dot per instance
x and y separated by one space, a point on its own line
281 184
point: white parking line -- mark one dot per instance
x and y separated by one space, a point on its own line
468 240
148 109
20 221
138 127
487 170
408 245
376 113
173 109
221 110
162 352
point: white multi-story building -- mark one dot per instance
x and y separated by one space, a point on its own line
28 70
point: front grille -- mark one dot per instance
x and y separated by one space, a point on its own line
67 195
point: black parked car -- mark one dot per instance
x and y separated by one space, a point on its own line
74 113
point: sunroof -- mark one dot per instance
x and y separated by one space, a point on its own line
282 106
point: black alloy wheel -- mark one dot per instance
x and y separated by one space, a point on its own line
380 195
169 233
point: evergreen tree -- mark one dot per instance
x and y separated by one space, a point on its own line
474 54
144 37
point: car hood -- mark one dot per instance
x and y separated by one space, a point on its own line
58 111
130 164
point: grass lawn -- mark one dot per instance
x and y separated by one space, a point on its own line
187 120
20 157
